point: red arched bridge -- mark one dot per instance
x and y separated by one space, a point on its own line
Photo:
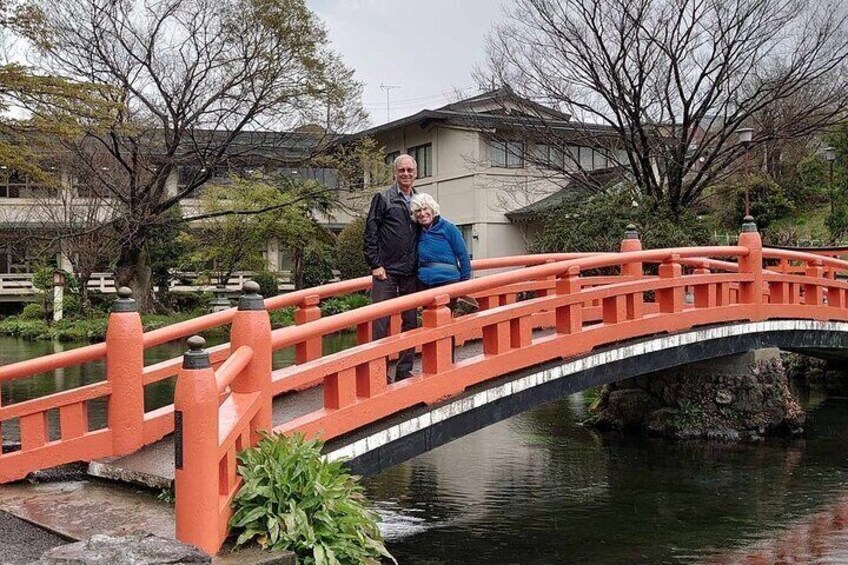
548 325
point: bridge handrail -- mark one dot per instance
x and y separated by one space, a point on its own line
233 366
284 337
806 257
88 353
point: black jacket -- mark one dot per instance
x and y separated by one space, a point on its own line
391 236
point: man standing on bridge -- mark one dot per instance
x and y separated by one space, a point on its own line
391 250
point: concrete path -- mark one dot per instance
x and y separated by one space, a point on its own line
23 542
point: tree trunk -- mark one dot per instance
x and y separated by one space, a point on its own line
134 270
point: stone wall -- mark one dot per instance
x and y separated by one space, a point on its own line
743 397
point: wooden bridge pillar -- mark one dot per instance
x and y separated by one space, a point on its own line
437 356
196 473
633 303
751 293
308 311
252 327
569 318
670 299
124 368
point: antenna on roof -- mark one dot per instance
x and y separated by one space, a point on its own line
387 88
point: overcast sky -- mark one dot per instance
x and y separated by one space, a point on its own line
427 47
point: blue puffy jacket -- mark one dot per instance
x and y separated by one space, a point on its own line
442 256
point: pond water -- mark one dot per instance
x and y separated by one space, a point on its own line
539 488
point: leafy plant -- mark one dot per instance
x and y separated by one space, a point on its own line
268 283
339 304
350 258
292 499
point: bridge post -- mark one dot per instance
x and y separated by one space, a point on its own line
124 368
569 318
751 293
252 327
437 356
633 302
706 295
670 300
814 293
196 473
307 311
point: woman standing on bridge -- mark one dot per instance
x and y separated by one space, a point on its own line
442 255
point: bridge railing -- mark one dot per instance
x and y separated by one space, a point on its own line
128 425
583 311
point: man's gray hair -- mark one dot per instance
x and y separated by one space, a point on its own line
422 200
396 162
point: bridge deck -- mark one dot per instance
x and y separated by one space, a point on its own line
153 465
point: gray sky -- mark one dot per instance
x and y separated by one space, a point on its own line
427 47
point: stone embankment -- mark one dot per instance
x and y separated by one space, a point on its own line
744 397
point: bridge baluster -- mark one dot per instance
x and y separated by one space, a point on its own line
634 303
33 431
631 242
670 299
813 291
124 367
196 473
363 333
550 283
371 377
751 293
252 327
308 311
705 294
615 309
340 389
520 332
569 317
836 297
437 356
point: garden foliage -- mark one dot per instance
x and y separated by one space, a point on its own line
292 499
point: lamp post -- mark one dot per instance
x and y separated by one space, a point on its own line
58 293
745 136
830 157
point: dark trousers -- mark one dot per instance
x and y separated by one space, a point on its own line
394 286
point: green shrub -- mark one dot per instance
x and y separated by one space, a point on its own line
350 259
598 222
32 311
318 265
189 301
282 317
339 304
292 499
268 283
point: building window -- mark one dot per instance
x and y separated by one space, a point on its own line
507 153
423 156
549 157
587 158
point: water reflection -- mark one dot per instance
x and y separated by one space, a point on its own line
539 488
156 395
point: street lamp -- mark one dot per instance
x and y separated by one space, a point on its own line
745 136
58 293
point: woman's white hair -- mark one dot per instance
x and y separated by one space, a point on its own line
422 200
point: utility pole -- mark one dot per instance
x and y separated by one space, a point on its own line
388 88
